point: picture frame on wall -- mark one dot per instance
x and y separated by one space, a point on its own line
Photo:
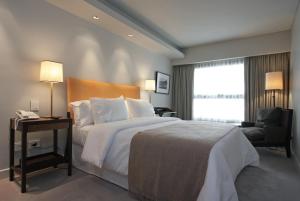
162 83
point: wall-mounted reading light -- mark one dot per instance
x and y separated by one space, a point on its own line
150 87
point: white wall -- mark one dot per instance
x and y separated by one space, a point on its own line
32 31
253 46
295 82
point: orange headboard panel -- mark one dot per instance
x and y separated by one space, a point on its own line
85 89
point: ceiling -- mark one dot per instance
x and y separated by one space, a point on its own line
118 23
186 23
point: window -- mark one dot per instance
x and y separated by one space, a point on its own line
219 91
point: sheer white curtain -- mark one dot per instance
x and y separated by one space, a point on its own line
219 91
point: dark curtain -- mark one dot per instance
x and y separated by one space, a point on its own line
255 95
183 91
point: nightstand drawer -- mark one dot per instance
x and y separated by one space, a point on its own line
42 127
41 124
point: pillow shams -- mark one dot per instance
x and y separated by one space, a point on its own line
107 110
139 108
82 113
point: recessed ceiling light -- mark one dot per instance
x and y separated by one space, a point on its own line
96 17
130 35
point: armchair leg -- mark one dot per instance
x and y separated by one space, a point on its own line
288 149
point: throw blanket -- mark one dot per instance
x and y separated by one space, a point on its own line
170 163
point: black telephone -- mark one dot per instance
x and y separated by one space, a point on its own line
164 111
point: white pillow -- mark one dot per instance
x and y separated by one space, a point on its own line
82 113
107 110
139 108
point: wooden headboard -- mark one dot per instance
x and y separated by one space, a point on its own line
85 89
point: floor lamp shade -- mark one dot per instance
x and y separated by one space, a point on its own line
51 72
273 82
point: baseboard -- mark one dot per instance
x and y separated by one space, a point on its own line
295 157
4 173
297 160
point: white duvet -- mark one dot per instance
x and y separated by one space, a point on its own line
107 145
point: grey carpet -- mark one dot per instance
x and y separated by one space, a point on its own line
277 179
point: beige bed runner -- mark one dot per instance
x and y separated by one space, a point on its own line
170 163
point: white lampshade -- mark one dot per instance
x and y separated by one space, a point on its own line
274 81
150 85
51 72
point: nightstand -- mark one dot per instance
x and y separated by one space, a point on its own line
164 112
42 161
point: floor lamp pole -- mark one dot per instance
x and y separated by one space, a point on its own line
273 96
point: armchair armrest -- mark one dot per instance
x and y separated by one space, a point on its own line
275 134
247 124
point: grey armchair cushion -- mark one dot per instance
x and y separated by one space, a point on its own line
259 124
254 133
268 117
247 124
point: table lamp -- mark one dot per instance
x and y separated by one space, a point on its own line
273 82
150 87
52 73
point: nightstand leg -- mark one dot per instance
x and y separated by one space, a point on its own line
11 154
55 143
69 147
23 160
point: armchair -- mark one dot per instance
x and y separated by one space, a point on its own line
273 128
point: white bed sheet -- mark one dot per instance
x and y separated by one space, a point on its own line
227 158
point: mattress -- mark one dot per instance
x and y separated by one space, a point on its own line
79 137
103 173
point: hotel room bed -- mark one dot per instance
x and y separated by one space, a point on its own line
104 149
227 157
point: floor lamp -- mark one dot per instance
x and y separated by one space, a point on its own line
51 72
150 87
274 82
